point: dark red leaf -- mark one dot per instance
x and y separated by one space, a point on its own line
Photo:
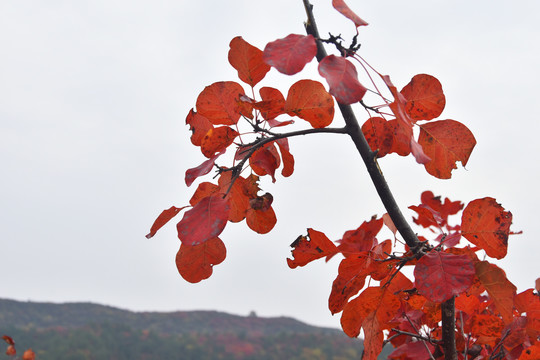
342 78
195 263
361 239
340 6
443 209
162 219
8 340
312 247
439 276
486 224
290 54
413 351
426 216
265 161
288 159
248 61
425 98
206 220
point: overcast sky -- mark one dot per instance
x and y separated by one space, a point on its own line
93 143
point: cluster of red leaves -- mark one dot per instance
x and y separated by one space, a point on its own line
490 316
10 351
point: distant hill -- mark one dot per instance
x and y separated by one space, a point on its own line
79 331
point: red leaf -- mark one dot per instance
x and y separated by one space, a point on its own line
401 144
443 209
289 55
261 221
445 142
199 126
308 100
288 159
203 169
217 140
312 247
500 290
265 161
374 301
425 98
8 340
342 78
352 273
195 263
340 6
273 103
439 276
415 350
485 224
220 103
531 353
361 239
426 216
162 219
248 61
379 135
206 220
236 196
203 190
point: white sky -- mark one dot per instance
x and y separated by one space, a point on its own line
93 144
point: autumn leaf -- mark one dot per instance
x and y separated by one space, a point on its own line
247 60
401 143
498 287
379 135
279 55
265 161
445 142
206 220
261 221
11 350
425 98
217 140
486 224
204 189
288 159
195 262
443 209
272 104
203 169
236 195
340 6
162 219
220 103
8 340
361 239
415 350
486 328
342 78
531 353
375 301
199 126
312 247
439 276
426 216
308 100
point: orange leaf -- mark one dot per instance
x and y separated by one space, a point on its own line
217 140
162 219
11 350
29 355
531 353
308 100
312 247
361 239
373 300
340 6
248 61
237 198
373 337
220 103
352 273
261 221
203 190
195 263
199 126
425 98
500 290
486 328
439 276
290 54
485 224
205 221
445 142
467 304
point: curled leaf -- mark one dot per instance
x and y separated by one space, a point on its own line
162 219
340 6
342 78
312 247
